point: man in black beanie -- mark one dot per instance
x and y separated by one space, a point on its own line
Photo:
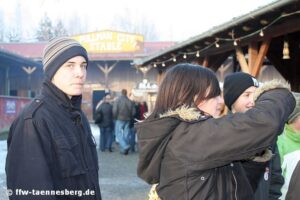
51 151
264 176
238 91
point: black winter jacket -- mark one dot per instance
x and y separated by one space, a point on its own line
269 187
105 111
193 157
51 150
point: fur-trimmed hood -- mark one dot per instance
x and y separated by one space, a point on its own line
270 85
185 113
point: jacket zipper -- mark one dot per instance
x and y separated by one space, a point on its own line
235 189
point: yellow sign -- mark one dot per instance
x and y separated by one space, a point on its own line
111 42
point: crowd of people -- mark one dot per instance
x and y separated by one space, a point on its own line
116 119
188 148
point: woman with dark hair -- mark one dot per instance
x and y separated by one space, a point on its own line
191 154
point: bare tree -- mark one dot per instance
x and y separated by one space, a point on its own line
135 24
18 21
13 31
59 29
146 28
13 35
1 26
77 25
45 29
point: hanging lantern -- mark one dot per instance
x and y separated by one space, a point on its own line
286 51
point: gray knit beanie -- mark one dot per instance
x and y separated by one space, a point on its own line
58 51
296 111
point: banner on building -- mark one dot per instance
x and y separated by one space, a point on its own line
111 42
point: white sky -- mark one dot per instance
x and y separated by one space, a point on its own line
173 21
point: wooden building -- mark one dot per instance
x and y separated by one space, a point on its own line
268 35
111 54
16 74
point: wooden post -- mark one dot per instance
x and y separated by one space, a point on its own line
160 76
205 62
260 57
252 54
242 60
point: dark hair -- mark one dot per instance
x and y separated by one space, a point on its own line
185 84
124 92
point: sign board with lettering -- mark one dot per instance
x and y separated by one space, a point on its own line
10 106
111 42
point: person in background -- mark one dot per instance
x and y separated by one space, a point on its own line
264 176
143 110
50 144
132 132
289 148
189 153
293 192
104 119
123 112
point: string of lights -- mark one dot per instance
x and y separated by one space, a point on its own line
217 43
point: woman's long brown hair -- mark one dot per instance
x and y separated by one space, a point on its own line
185 84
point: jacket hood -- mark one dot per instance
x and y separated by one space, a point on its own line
153 137
270 85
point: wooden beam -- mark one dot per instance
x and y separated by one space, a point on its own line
205 62
252 54
260 57
160 76
242 60
218 60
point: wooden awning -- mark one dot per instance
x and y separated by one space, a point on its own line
250 38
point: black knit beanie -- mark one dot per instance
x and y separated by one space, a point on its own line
59 51
235 84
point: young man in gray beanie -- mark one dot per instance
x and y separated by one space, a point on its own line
264 176
51 151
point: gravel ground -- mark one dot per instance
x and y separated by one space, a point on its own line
118 179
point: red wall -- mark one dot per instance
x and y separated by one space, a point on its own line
10 107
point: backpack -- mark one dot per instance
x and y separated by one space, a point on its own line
98 116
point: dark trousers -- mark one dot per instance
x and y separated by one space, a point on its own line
105 138
131 139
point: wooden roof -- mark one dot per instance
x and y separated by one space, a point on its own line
14 60
250 39
35 51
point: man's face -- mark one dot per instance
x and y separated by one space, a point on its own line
245 101
296 124
71 76
107 97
